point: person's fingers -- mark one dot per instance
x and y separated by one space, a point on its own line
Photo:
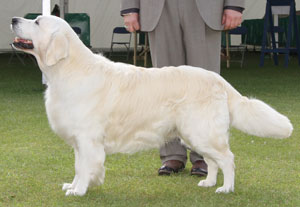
136 26
129 28
236 22
131 22
223 19
233 23
231 19
128 23
227 24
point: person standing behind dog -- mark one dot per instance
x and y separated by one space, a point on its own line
183 32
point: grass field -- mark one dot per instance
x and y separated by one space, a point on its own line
34 162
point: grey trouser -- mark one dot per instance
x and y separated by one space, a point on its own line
182 38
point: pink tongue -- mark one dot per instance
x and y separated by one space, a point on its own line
23 41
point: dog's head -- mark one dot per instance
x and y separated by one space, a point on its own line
46 37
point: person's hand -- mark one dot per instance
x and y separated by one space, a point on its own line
131 22
231 19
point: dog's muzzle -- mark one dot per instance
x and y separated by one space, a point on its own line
19 42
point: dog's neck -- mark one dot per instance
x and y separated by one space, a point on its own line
72 65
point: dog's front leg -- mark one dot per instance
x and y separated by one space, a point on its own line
89 167
211 178
68 186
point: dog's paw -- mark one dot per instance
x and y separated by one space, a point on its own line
224 190
73 192
206 183
66 186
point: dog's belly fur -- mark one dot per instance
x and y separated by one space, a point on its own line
121 139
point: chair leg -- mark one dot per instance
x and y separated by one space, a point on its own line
11 57
297 37
273 41
243 54
263 46
111 50
128 51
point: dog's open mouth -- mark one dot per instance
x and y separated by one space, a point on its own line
23 43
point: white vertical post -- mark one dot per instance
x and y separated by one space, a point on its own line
46 7
46 4
66 6
62 8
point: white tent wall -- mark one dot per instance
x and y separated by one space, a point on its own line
254 9
9 9
104 16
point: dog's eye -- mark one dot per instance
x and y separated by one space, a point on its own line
36 22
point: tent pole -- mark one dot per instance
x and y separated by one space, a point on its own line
64 8
46 4
46 11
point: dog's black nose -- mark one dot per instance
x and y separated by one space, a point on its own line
14 21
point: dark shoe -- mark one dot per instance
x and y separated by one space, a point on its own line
199 168
171 166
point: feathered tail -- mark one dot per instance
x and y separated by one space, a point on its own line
255 117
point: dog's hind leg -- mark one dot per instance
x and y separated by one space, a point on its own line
209 137
226 163
89 166
205 129
217 153
218 158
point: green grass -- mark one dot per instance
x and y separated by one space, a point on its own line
34 162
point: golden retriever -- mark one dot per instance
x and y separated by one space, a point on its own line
101 107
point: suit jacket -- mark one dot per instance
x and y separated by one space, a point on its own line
150 10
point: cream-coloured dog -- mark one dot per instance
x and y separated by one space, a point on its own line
101 107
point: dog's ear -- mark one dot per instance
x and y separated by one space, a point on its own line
57 50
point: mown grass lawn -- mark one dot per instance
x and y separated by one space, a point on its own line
34 162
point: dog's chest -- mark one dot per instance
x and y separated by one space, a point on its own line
65 114
59 118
